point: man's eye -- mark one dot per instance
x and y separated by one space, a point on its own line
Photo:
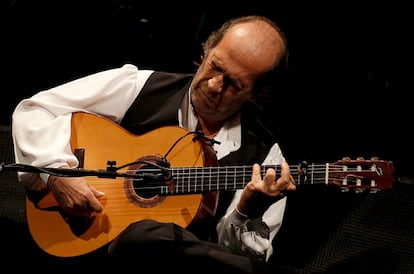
237 85
215 67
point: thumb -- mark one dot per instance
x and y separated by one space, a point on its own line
97 193
95 204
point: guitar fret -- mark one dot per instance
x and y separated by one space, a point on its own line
202 180
197 177
234 178
218 179
312 174
209 180
243 177
225 185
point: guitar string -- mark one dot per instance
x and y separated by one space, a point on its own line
197 179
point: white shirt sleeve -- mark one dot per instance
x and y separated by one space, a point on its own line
42 123
253 236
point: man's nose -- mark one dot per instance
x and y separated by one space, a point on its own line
216 82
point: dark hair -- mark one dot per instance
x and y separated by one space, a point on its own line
268 81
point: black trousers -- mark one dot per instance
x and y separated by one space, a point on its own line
148 244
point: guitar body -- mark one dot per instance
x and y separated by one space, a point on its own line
102 140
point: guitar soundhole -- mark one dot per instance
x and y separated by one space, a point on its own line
145 189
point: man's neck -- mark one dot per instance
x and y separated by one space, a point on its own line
210 129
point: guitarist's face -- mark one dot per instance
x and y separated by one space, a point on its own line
227 75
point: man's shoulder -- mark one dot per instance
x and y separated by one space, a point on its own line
173 76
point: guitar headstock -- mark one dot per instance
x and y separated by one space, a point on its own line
361 174
358 174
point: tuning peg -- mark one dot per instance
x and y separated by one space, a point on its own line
360 158
346 158
374 158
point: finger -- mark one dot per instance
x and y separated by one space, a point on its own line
292 185
93 202
97 193
270 177
256 176
285 173
286 177
95 205
284 169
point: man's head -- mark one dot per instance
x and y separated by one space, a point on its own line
256 22
236 63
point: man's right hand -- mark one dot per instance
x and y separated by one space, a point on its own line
75 195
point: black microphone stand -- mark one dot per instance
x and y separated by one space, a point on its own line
109 172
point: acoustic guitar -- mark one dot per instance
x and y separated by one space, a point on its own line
168 174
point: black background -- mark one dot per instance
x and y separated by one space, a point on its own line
347 92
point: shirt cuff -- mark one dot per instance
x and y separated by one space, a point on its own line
239 217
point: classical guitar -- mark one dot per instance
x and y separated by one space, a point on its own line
166 174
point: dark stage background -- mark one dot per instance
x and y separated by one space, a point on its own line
346 93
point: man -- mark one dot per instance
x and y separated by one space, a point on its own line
238 65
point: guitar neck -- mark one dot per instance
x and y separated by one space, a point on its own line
204 179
